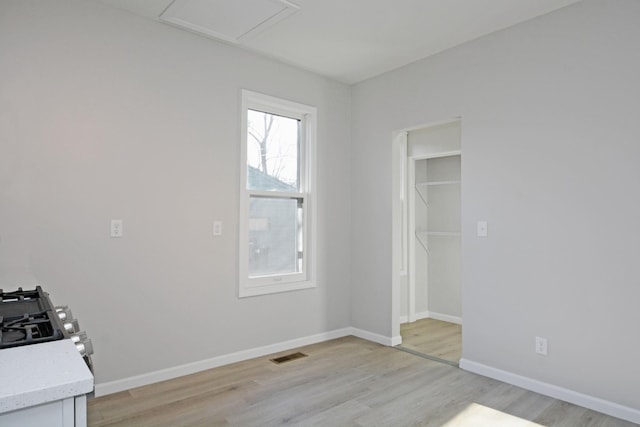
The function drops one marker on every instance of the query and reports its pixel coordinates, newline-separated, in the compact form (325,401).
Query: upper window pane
(273,151)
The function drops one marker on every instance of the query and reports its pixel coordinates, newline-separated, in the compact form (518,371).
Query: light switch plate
(482,229)
(116,228)
(217,228)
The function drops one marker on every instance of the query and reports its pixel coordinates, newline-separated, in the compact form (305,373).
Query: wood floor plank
(343,382)
(516,401)
(434,338)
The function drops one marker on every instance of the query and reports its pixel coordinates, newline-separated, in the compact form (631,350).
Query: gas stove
(29,317)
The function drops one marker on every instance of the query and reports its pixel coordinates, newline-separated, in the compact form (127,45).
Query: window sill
(253,290)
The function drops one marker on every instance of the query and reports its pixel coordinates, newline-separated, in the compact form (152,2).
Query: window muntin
(276,222)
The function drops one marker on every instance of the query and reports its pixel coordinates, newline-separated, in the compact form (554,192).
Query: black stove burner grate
(27,317)
(20,295)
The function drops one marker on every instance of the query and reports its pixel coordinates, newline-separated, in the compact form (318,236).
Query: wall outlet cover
(541,346)
(116,228)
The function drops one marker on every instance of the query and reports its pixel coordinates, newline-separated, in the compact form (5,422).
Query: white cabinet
(69,412)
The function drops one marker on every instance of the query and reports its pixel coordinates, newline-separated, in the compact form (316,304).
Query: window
(276,219)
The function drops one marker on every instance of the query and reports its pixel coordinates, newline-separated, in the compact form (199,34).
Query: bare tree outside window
(273,146)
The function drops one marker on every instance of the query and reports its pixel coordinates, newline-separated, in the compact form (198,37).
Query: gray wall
(106,115)
(550,159)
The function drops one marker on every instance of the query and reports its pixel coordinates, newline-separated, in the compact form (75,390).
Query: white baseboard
(423,315)
(202,365)
(370,336)
(110,387)
(432,315)
(591,402)
(444,317)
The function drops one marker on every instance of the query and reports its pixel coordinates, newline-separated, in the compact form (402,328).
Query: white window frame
(263,285)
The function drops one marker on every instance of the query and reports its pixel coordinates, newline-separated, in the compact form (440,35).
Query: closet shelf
(443,233)
(440,183)
(421,188)
(423,236)
(425,233)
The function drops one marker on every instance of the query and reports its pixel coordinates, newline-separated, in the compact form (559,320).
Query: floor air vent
(288,358)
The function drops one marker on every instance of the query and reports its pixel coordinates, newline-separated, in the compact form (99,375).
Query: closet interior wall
(434,153)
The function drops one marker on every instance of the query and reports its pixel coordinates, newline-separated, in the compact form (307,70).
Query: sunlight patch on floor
(476,415)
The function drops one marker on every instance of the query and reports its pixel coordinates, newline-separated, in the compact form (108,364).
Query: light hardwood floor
(434,338)
(343,382)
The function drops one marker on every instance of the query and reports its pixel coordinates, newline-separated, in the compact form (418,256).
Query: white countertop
(40,373)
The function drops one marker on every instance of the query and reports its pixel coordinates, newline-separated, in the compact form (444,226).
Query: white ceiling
(348,40)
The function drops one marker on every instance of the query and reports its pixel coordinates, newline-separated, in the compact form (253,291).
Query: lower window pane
(275,236)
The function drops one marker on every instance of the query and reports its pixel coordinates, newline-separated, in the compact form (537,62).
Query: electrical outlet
(116,228)
(541,346)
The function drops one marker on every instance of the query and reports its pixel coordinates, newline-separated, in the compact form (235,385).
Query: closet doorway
(432,326)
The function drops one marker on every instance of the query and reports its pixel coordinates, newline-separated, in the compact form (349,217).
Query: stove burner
(12,335)
(19,295)
(27,317)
